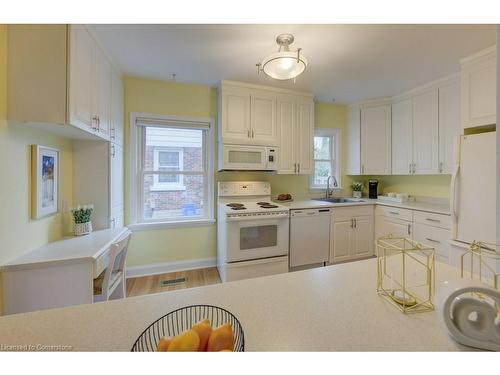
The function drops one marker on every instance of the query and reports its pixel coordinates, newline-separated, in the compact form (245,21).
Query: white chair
(111,283)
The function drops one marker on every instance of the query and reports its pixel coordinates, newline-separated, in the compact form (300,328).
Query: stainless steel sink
(338,200)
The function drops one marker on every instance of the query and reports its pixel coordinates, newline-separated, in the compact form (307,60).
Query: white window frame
(167,186)
(336,163)
(135,179)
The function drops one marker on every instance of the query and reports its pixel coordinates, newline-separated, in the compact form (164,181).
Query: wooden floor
(153,284)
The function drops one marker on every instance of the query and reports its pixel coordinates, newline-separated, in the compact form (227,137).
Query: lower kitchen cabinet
(351,233)
(393,221)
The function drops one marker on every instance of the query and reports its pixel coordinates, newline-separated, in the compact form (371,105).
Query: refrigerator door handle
(453,200)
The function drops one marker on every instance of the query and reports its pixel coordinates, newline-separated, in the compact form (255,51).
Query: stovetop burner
(263,203)
(234,205)
(268,206)
(238,208)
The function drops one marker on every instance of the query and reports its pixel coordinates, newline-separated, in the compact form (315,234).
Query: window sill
(170,224)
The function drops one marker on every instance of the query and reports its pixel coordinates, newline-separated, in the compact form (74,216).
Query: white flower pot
(83,228)
(356,194)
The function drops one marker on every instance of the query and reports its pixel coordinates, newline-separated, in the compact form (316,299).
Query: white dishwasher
(309,237)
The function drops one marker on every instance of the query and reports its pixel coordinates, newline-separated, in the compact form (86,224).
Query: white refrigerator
(473,189)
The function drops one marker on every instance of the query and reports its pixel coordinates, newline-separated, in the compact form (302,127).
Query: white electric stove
(252,231)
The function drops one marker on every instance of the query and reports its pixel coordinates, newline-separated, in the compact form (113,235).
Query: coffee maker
(373,189)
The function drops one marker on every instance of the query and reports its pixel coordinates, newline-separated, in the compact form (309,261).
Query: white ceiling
(346,62)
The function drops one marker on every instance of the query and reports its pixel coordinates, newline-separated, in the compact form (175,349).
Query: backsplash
(418,185)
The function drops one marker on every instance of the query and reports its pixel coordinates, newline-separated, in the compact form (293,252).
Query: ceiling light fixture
(284,64)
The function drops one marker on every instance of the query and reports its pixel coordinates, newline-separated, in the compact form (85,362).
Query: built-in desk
(58,274)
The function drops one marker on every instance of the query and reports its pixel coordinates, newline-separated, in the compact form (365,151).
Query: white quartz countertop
(438,208)
(74,249)
(333,308)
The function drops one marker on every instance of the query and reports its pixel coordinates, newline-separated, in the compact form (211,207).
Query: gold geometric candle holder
(482,263)
(406,273)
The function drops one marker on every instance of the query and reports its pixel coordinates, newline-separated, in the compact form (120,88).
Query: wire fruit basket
(180,320)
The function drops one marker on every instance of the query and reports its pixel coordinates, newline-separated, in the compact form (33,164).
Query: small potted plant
(81,215)
(357,188)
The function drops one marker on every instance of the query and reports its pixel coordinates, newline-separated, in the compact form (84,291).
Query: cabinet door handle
(98,123)
(431,240)
(394,212)
(248,133)
(294,167)
(253,134)
(409,229)
(93,122)
(409,168)
(113,151)
(355,223)
(414,168)
(433,220)
(441,167)
(352,223)
(298,167)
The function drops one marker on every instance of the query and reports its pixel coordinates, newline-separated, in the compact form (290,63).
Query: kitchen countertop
(334,308)
(438,208)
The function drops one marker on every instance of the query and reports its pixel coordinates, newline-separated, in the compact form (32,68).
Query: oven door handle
(263,217)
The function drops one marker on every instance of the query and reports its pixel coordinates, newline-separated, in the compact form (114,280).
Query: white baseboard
(158,268)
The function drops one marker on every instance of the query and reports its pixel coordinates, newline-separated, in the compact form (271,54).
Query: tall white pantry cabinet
(68,86)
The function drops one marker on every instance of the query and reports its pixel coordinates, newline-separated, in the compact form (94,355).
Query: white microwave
(248,158)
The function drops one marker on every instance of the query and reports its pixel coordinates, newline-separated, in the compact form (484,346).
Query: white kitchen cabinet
(478,89)
(341,240)
(449,124)
(353,140)
(351,233)
(64,84)
(81,79)
(263,117)
(305,135)
(393,221)
(363,237)
(117,120)
(376,139)
(89,84)
(101,93)
(235,114)
(295,120)
(402,145)
(286,119)
(248,115)
(434,237)
(425,107)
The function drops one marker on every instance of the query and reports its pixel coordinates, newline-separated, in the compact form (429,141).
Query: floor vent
(173,281)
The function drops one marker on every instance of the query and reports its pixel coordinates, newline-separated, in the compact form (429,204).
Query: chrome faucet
(329,192)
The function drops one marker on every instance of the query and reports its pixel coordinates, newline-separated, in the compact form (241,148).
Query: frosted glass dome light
(284,64)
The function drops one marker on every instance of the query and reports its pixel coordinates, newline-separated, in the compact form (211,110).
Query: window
(171,176)
(168,159)
(326,158)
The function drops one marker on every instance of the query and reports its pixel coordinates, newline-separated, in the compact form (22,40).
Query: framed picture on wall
(44,181)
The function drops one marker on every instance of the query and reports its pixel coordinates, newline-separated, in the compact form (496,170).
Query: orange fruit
(221,338)
(185,342)
(204,330)
(163,344)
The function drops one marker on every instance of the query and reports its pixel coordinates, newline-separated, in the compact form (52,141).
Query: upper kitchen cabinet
(65,80)
(353,140)
(267,116)
(478,89)
(402,145)
(248,115)
(117,111)
(295,120)
(449,123)
(425,122)
(425,132)
(376,138)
